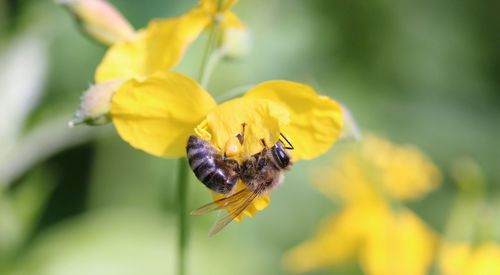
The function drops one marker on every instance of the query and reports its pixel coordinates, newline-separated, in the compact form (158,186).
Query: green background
(420,72)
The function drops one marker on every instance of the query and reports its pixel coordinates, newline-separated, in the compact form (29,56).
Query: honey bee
(214,170)
(260,173)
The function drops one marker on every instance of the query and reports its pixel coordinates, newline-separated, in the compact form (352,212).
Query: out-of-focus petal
(157,48)
(158,114)
(402,170)
(336,242)
(231,20)
(315,121)
(485,260)
(453,257)
(346,180)
(398,243)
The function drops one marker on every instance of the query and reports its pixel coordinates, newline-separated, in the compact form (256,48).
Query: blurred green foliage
(420,72)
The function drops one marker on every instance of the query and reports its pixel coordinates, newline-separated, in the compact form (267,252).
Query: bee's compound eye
(281,156)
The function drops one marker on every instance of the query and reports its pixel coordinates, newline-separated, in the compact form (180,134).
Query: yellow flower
(461,258)
(378,167)
(385,240)
(158,114)
(156,48)
(161,45)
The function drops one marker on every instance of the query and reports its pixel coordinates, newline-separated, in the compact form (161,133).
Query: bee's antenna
(263,142)
(290,147)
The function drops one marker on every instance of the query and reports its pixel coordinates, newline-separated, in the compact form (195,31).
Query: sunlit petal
(157,48)
(158,114)
(315,121)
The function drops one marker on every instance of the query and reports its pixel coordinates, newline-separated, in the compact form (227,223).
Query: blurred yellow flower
(379,168)
(369,180)
(158,114)
(461,258)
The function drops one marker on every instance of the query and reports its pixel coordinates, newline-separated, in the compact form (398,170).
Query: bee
(260,173)
(213,169)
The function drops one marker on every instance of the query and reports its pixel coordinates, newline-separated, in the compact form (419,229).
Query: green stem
(233,93)
(183,167)
(206,54)
(210,57)
(182,191)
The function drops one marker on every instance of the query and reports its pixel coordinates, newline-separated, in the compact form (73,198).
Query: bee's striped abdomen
(212,169)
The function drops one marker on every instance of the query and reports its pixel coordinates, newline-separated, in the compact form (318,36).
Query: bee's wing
(220,203)
(234,209)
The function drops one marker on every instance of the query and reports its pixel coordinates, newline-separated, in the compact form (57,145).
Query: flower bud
(100,20)
(236,42)
(95,104)
(468,176)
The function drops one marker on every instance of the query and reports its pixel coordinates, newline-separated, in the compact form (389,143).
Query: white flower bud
(100,20)
(236,42)
(95,104)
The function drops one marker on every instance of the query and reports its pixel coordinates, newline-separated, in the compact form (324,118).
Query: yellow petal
(158,114)
(375,165)
(403,170)
(157,48)
(485,260)
(453,257)
(263,119)
(336,242)
(231,20)
(315,121)
(347,179)
(124,60)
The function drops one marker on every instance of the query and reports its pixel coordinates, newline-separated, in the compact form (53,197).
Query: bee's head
(281,155)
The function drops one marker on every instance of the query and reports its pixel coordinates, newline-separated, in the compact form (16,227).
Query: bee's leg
(261,157)
(241,136)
